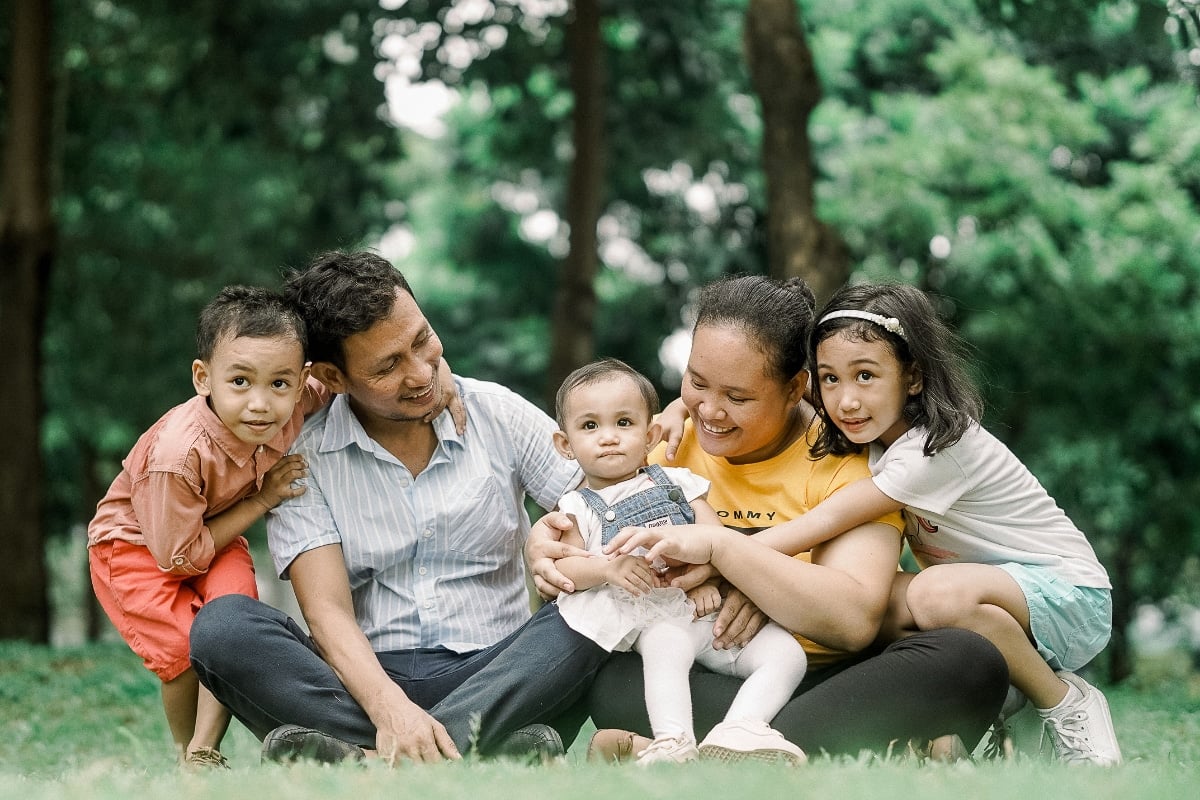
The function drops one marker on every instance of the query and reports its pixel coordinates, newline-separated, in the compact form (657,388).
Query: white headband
(889,324)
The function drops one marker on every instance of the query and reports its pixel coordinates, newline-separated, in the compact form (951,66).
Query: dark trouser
(262,666)
(929,684)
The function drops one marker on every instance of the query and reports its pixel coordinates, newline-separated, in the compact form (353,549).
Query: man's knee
(219,622)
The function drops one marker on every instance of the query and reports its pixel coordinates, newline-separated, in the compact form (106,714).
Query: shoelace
(1070,736)
(206,757)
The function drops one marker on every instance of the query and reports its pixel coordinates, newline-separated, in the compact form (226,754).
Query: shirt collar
(343,429)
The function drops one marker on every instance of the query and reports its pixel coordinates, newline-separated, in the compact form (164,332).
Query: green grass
(86,722)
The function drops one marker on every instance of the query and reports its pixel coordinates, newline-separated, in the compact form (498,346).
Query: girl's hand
(671,421)
(277,483)
(631,573)
(665,541)
(458,412)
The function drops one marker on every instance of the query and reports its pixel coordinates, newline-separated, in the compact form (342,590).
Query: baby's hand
(631,573)
(277,483)
(706,597)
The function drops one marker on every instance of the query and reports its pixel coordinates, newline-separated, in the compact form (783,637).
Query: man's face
(391,369)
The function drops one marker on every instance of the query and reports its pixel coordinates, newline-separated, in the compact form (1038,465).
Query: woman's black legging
(945,681)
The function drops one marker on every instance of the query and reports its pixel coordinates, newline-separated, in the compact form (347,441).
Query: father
(405,553)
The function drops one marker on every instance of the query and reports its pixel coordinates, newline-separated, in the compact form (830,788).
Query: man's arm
(403,729)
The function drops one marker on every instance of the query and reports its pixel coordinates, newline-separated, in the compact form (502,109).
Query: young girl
(998,556)
(605,411)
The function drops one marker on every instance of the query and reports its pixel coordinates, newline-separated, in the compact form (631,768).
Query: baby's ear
(653,436)
(563,446)
(200,378)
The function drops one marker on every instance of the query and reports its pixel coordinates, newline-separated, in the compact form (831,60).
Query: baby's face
(252,384)
(607,428)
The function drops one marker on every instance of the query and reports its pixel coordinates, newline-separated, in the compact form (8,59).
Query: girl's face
(864,388)
(740,410)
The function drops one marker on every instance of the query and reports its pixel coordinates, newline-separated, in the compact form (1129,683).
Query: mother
(746,434)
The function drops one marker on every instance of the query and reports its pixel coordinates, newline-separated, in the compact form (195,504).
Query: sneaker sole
(712,752)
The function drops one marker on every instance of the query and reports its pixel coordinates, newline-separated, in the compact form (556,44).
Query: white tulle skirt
(613,618)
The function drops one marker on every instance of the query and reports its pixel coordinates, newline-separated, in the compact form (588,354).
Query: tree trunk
(1120,652)
(26,245)
(782,72)
(571,335)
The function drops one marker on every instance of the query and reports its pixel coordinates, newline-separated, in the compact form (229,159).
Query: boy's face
(607,430)
(252,384)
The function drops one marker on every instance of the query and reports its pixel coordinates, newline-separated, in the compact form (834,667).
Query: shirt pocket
(482,523)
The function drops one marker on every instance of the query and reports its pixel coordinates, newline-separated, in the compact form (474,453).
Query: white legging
(772,664)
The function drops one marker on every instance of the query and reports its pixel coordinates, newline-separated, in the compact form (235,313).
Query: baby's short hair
(597,371)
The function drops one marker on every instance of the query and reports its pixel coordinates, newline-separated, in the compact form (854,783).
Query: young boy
(605,412)
(167,538)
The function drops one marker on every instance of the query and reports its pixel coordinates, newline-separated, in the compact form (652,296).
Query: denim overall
(660,504)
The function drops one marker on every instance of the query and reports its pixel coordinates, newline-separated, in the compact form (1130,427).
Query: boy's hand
(631,573)
(277,483)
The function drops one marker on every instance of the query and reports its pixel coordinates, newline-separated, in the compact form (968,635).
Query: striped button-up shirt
(436,559)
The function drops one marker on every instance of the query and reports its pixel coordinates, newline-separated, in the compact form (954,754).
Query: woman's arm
(838,600)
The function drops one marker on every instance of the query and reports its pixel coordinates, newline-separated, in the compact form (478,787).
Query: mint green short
(1071,624)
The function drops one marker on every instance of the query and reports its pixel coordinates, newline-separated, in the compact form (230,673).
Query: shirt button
(428,533)
(179,561)
(429,604)
(422,571)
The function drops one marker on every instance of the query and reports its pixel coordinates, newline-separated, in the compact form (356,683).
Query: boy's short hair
(247,311)
(594,373)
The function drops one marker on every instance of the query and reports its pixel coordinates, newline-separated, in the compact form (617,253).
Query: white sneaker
(669,750)
(1082,731)
(748,739)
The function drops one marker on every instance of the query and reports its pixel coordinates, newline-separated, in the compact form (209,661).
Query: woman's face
(741,411)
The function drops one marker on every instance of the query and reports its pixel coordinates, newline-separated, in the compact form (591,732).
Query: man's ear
(327,373)
(563,446)
(200,378)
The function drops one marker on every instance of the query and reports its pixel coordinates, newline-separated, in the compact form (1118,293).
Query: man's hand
(544,547)
(410,733)
(738,621)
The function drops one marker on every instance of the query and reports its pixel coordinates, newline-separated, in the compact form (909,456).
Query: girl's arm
(854,504)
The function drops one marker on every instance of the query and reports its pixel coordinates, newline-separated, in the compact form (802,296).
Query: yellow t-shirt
(752,497)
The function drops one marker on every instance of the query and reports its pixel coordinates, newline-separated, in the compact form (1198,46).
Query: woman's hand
(738,621)
(458,412)
(671,422)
